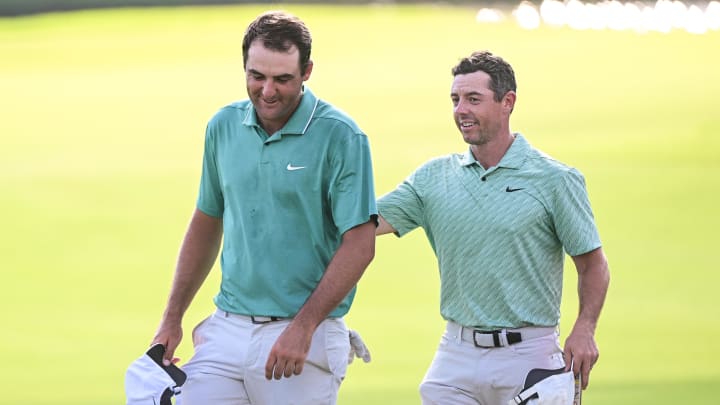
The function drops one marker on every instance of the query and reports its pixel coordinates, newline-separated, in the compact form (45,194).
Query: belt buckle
(495,335)
(261,320)
(513,337)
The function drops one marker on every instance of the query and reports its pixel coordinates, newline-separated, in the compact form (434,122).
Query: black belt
(255,319)
(481,341)
(498,337)
(259,320)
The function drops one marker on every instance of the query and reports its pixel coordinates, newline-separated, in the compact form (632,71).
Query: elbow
(601,274)
(607,274)
(604,269)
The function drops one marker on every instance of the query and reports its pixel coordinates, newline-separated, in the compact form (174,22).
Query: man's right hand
(169,334)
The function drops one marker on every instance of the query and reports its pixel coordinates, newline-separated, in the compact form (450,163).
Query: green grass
(101,136)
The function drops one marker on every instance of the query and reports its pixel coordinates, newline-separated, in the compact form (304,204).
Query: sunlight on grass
(102,134)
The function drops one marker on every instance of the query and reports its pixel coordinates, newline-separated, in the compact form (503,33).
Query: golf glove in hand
(357,348)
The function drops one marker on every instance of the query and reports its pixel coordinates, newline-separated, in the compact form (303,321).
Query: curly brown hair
(279,31)
(502,76)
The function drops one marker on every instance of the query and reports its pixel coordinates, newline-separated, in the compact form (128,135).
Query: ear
(508,101)
(308,70)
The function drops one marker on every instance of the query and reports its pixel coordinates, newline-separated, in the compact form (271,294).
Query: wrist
(586,326)
(172,317)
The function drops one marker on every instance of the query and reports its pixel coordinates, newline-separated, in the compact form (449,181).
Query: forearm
(384,227)
(197,255)
(580,350)
(593,282)
(343,272)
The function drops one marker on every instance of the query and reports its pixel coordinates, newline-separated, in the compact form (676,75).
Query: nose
(268,89)
(459,108)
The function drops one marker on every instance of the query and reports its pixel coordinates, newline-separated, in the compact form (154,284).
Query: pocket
(557,359)
(446,338)
(337,346)
(198,334)
(546,345)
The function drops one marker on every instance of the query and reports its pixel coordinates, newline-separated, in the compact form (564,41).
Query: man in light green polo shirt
(287,185)
(500,218)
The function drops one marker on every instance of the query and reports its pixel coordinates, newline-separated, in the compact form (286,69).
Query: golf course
(102,120)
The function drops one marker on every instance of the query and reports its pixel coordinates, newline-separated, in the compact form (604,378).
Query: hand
(288,354)
(169,334)
(357,348)
(580,347)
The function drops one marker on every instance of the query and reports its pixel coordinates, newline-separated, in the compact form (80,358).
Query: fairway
(102,118)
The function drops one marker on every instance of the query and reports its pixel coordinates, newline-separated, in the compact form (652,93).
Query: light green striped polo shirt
(285,200)
(499,235)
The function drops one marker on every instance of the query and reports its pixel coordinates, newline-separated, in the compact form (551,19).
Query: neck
(490,153)
(270,128)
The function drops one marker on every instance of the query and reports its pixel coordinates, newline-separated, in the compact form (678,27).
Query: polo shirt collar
(516,154)
(298,122)
(513,158)
(467,159)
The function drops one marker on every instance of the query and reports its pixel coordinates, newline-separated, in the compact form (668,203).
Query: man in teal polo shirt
(500,218)
(287,186)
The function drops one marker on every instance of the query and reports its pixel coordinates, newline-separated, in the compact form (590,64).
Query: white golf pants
(463,374)
(228,367)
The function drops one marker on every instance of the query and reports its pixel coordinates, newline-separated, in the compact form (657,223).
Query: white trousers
(463,374)
(228,367)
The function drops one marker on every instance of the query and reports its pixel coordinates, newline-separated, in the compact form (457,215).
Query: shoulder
(229,113)
(327,116)
(437,167)
(549,167)
(442,162)
(552,178)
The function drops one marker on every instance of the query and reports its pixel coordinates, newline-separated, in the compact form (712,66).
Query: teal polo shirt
(499,234)
(285,200)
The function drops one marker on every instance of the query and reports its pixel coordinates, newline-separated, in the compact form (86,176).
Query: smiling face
(477,115)
(274,83)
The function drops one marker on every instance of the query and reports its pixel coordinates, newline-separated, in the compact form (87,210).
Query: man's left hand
(288,354)
(580,347)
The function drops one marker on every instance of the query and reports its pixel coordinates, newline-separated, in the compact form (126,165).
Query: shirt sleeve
(573,216)
(403,207)
(352,189)
(210,197)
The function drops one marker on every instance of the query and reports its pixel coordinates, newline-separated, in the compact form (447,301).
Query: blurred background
(103,106)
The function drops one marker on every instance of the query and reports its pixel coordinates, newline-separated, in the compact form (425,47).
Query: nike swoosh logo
(510,190)
(291,167)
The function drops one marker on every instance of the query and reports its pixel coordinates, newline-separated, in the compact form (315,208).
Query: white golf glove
(357,348)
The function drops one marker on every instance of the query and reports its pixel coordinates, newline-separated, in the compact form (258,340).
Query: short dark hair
(279,31)
(502,76)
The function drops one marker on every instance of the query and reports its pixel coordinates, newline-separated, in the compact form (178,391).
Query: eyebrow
(284,76)
(472,93)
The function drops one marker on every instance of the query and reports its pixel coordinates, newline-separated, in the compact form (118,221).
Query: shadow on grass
(695,392)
